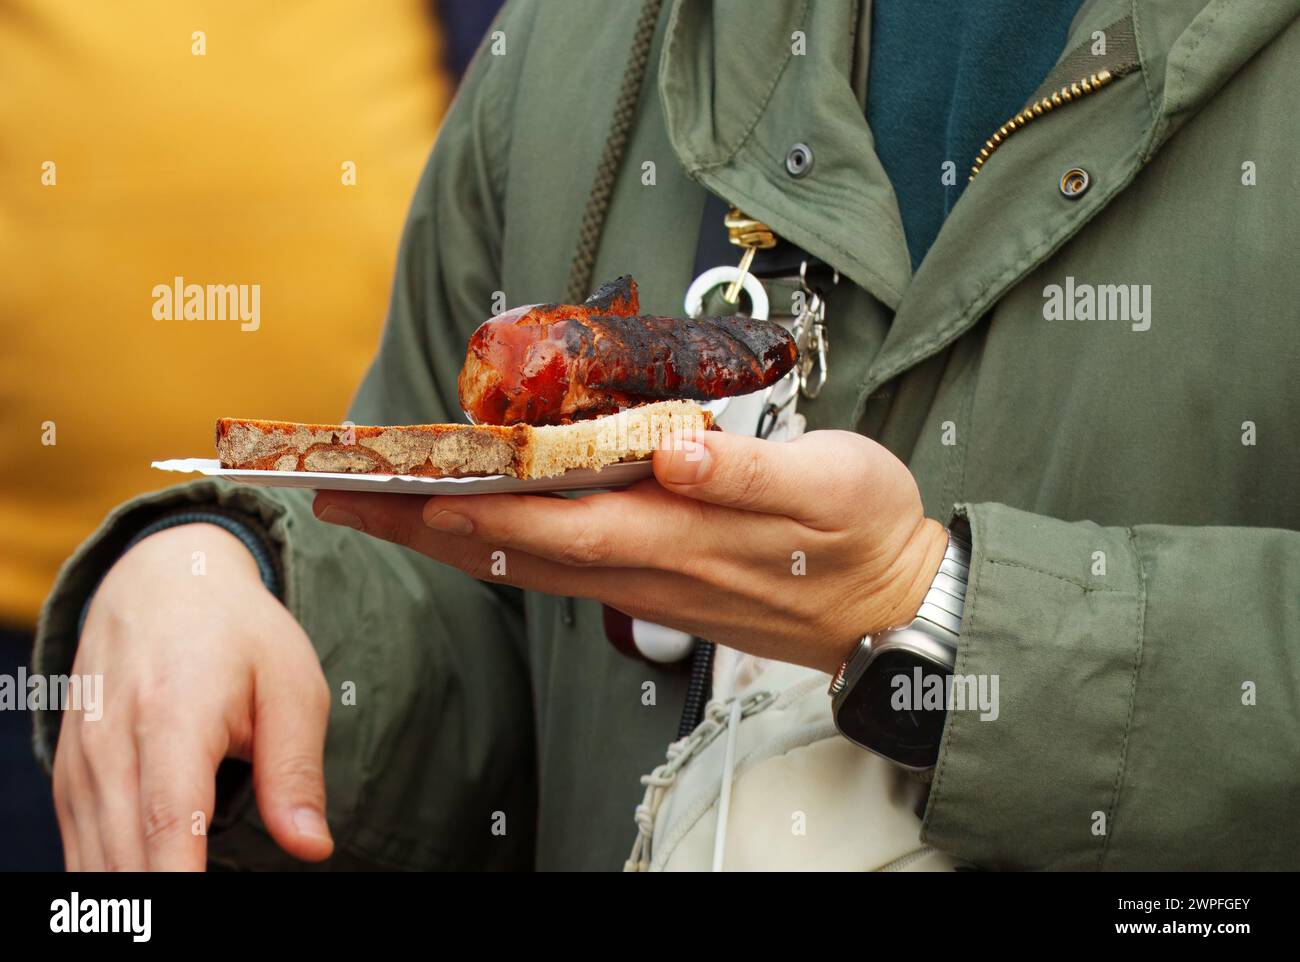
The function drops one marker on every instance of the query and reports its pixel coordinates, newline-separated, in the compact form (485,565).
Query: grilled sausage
(548,364)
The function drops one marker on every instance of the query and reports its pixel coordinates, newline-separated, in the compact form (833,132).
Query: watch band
(946,600)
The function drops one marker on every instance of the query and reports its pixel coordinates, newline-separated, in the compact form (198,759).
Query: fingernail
(333,514)
(310,822)
(688,464)
(450,522)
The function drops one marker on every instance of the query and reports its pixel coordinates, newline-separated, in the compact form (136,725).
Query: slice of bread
(456,450)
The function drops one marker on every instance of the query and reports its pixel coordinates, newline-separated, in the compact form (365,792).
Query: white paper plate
(614,476)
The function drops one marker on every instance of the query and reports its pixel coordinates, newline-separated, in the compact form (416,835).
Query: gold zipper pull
(750,234)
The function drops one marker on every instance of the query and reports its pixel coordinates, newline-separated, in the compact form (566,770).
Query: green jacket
(1132,493)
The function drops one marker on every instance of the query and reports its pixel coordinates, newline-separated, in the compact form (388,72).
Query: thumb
(291,713)
(771,477)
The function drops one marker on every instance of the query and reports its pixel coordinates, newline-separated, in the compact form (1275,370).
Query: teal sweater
(945,74)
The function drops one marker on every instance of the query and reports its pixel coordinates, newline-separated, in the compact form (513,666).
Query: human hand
(195,669)
(787,550)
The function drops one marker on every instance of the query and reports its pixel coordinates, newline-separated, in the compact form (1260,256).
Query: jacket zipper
(1067,94)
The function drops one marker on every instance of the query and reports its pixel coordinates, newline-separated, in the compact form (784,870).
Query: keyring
(759,305)
(737,413)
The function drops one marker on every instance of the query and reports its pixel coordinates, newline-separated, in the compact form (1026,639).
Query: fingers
(772,477)
(107,792)
(136,792)
(67,827)
(115,786)
(90,853)
(642,592)
(128,801)
(634,528)
(64,794)
(400,519)
(147,803)
(176,797)
(643,526)
(94,790)
(291,712)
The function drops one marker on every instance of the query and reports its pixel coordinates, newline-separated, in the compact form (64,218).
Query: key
(753,236)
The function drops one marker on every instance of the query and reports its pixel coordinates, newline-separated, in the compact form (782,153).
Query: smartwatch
(889,696)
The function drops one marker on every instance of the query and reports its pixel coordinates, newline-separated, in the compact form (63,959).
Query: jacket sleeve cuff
(59,624)
(1053,619)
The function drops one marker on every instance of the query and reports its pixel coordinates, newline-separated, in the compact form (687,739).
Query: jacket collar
(737,95)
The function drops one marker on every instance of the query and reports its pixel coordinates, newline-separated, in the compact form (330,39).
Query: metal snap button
(799,160)
(1075,183)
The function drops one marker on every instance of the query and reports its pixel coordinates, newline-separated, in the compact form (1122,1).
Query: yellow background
(223,168)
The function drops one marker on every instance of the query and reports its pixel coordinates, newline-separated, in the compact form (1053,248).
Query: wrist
(917,565)
(171,559)
(895,598)
(200,543)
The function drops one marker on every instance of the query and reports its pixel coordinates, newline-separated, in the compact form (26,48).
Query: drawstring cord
(724,793)
(602,187)
(611,158)
(717,719)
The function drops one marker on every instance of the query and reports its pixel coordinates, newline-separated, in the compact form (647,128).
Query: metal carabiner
(811,337)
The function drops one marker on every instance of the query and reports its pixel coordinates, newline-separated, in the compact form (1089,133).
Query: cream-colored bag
(801,796)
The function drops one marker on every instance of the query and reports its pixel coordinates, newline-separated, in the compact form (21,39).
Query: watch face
(897,708)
